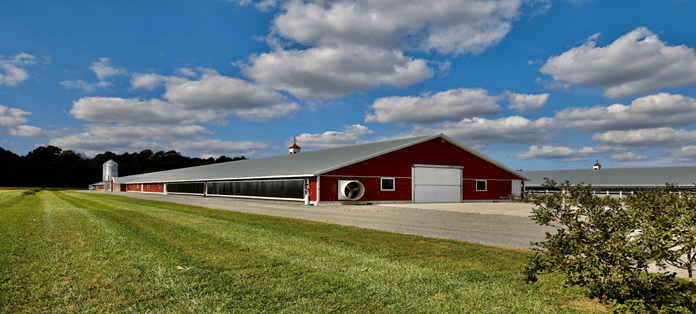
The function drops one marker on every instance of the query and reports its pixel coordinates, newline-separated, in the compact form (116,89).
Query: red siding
(495,189)
(153,188)
(398,165)
(133,187)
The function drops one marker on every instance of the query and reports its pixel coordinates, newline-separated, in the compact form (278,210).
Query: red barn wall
(398,165)
(153,188)
(133,187)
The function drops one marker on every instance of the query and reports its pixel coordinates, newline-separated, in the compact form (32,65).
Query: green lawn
(65,251)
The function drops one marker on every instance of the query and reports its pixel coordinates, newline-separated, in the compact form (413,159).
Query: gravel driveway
(497,224)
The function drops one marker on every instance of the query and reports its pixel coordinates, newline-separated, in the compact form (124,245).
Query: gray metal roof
(652,176)
(300,165)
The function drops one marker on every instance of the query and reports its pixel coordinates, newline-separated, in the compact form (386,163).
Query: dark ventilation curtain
(266,188)
(191,188)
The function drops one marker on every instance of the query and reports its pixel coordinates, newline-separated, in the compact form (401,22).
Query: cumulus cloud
(186,72)
(446,26)
(526,103)
(214,91)
(627,156)
(80,84)
(151,81)
(652,111)
(219,93)
(92,144)
(27,131)
(155,132)
(657,137)
(330,72)
(12,117)
(350,135)
(453,104)
(684,154)
(10,71)
(636,63)
(514,129)
(102,69)
(215,148)
(136,111)
(561,153)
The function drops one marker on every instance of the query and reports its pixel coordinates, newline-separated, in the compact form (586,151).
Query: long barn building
(431,168)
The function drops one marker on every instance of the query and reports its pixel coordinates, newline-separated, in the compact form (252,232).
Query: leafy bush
(606,245)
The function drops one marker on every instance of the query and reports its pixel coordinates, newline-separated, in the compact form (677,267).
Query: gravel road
(469,222)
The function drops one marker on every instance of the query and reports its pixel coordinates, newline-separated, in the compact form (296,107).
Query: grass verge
(64,251)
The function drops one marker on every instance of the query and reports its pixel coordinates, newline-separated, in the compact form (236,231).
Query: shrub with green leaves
(607,244)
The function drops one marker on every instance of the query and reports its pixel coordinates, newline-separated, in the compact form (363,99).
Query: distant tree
(51,166)
(223,158)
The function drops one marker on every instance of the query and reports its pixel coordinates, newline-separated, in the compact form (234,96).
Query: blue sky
(534,84)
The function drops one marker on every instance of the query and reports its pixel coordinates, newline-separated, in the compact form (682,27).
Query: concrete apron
(493,208)
(509,209)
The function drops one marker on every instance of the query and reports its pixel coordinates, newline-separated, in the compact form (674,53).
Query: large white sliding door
(436,184)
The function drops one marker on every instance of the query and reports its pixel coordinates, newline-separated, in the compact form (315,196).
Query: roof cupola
(294,149)
(597,166)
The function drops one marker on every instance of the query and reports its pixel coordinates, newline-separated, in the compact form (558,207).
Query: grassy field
(65,251)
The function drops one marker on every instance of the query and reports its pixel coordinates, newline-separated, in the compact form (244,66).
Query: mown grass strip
(24,269)
(110,253)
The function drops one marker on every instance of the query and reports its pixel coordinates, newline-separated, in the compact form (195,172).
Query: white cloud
(92,145)
(526,103)
(80,84)
(330,72)
(155,132)
(627,156)
(267,112)
(350,135)
(136,111)
(514,129)
(102,68)
(12,117)
(454,104)
(151,81)
(211,147)
(214,91)
(27,131)
(684,154)
(13,74)
(447,26)
(223,94)
(658,137)
(186,72)
(652,111)
(562,153)
(636,63)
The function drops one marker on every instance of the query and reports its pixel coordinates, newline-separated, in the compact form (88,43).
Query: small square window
(481,185)
(388,184)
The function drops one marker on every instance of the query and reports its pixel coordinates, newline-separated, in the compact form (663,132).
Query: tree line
(51,166)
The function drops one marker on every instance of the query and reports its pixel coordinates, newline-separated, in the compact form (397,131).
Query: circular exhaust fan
(350,190)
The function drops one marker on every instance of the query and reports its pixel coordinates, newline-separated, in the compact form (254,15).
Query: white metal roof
(300,165)
(649,176)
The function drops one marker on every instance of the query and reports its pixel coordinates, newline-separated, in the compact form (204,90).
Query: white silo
(110,170)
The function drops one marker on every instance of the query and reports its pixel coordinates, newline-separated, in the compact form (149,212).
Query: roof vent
(294,149)
(597,166)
